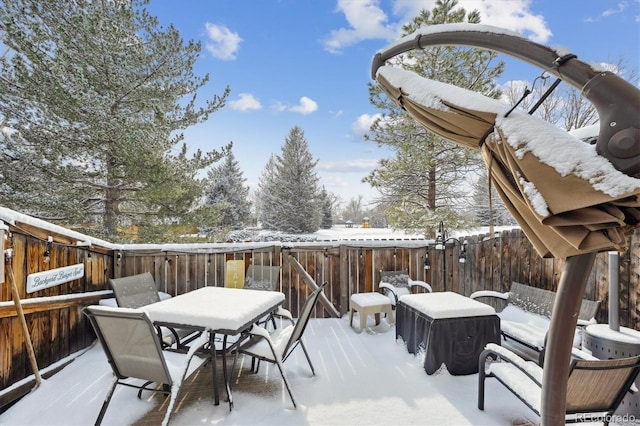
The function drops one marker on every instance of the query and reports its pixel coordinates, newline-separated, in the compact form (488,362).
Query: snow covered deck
(366,378)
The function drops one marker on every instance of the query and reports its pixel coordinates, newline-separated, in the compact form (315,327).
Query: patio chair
(595,388)
(136,291)
(394,284)
(277,346)
(260,277)
(136,357)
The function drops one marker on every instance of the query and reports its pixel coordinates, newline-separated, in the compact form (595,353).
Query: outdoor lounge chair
(133,350)
(136,291)
(397,283)
(277,346)
(595,388)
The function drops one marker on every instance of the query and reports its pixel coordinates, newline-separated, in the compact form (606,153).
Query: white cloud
(621,7)
(222,43)
(245,102)
(368,21)
(350,166)
(279,106)
(514,15)
(361,126)
(305,107)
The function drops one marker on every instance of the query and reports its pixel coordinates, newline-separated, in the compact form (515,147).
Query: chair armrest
(389,290)
(422,284)
(532,370)
(388,287)
(283,313)
(490,293)
(259,331)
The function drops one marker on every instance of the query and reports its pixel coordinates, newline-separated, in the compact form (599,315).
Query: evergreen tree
(266,197)
(289,192)
(327,212)
(97,96)
(226,190)
(488,210)
(424,183)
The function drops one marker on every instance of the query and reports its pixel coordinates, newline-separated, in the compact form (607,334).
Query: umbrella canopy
(567,198)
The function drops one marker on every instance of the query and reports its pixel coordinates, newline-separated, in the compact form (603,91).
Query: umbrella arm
(615,99)
(564,318)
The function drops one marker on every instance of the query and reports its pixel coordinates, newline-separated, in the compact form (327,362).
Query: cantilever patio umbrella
(570,198)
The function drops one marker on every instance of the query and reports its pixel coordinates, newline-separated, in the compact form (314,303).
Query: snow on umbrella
(568,198)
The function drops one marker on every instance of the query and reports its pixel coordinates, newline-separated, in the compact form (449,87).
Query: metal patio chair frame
(595,388)
(136,291)
(133,350)
(277,346)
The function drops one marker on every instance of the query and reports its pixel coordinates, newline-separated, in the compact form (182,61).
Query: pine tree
(226,190)
(97,96)
(289,190)
(488,210)
(327,210)
(266,197)
(424,184)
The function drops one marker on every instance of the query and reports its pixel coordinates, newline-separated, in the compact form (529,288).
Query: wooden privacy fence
(58,328)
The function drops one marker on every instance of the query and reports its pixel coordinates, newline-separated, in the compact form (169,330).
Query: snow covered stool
(370,303)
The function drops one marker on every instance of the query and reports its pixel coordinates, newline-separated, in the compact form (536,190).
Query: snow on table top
(446,305)
(215,308)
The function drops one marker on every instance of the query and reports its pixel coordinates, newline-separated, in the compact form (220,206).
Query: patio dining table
(220,311)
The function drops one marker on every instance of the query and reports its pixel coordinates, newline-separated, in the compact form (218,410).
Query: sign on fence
(54,277)
(235,274)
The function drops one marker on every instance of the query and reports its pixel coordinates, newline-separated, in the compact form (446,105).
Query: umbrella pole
(564,319)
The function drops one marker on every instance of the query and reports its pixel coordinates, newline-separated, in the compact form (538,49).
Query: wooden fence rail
(58,328)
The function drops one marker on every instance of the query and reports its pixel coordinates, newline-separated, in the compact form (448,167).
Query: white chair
(135,354)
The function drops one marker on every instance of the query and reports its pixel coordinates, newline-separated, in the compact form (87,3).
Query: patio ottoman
(367,304)
(452,329)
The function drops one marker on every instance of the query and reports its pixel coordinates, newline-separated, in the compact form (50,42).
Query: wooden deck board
(200,388)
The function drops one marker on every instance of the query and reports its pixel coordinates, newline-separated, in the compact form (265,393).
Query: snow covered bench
(526,317)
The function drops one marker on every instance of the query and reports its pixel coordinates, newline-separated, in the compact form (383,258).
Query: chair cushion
(253,284)
(396,279)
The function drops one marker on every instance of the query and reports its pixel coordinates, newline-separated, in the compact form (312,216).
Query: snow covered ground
(365,378)
(361,378)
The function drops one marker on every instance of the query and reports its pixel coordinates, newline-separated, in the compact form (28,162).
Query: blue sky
(307,63)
